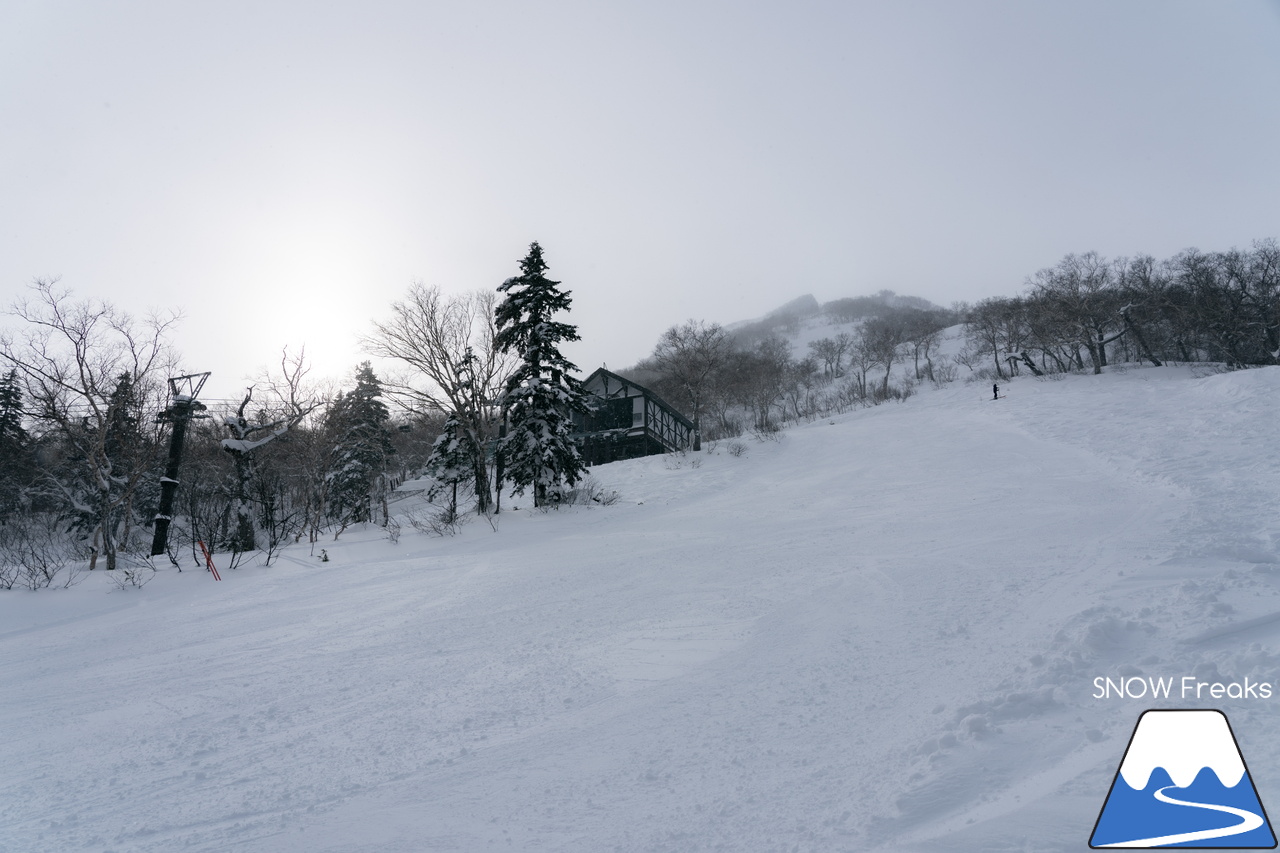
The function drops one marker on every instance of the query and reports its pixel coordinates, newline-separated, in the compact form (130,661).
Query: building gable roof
(605,373)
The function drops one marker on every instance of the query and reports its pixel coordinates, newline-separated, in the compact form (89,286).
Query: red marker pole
(209,560)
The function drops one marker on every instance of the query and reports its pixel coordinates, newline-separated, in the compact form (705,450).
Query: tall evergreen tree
(362,444)
(540,394)
(15,450)
(132,451)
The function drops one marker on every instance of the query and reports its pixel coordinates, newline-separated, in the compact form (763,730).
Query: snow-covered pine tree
(540,394)
(12,433)
(458,453)
(450,462)
(14,444)
(361,447)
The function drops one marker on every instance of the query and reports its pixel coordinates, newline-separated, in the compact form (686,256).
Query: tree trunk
(697,426)
(480,471)
(244,538)
(1092,346)
(108,523)
(1026,359)
(1141,341)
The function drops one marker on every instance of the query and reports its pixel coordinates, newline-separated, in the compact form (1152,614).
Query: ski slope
(880,632)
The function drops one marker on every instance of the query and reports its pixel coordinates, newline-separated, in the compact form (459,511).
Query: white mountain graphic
(1183,743)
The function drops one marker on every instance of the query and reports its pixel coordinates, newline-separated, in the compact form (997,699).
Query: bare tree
(690,356)
(1142,283)
(996,329)
(922,331)
(448,341)
(1081,290)
(91,374)
(884,336)
(292,403)
(1232,301)
(862,358)
(759,377)
(831,352)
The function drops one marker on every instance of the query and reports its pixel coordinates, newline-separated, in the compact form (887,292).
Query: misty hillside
(880,631)
(806,311)
(822,351)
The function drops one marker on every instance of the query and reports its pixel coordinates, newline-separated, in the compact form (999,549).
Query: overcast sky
(282,171)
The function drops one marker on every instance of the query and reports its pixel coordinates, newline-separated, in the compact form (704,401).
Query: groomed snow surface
(877,633)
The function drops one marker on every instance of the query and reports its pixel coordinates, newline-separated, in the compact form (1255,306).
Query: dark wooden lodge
(627,420)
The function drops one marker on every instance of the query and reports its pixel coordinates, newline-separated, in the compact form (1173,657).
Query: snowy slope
(878,633)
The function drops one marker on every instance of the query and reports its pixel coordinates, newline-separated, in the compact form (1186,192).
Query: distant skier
(995,391)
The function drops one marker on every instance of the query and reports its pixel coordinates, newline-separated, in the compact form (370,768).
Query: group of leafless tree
(1080,315)
(454,372)
(85,375)
(292,461)
(1087,312)
(84,402)
(729,383)
(83,386)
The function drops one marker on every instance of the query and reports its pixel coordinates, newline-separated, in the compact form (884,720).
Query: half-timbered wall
(628,420)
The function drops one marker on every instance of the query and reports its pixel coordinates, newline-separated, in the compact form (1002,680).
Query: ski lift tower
(183,391)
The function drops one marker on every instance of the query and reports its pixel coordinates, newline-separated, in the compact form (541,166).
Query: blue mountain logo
(1183,783)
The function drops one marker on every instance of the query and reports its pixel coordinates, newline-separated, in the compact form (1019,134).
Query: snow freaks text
(1186,687)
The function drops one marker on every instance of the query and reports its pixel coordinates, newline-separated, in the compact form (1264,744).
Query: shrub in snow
(588,493)
(677,459)
(944,373)
(435,521)
(767,431)
(135,573)
(34,551)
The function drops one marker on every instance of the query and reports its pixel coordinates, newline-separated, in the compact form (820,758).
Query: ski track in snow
(878,633)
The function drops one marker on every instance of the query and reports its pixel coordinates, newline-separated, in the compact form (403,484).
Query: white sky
(282,171)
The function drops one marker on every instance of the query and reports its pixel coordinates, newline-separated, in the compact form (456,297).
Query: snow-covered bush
(34,551)
(8,573)
(589,492)
(677,459)
(944,373)
(767,431)
(132,573)
(435,521)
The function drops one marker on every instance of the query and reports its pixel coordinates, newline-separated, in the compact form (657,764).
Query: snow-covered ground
(880,632)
